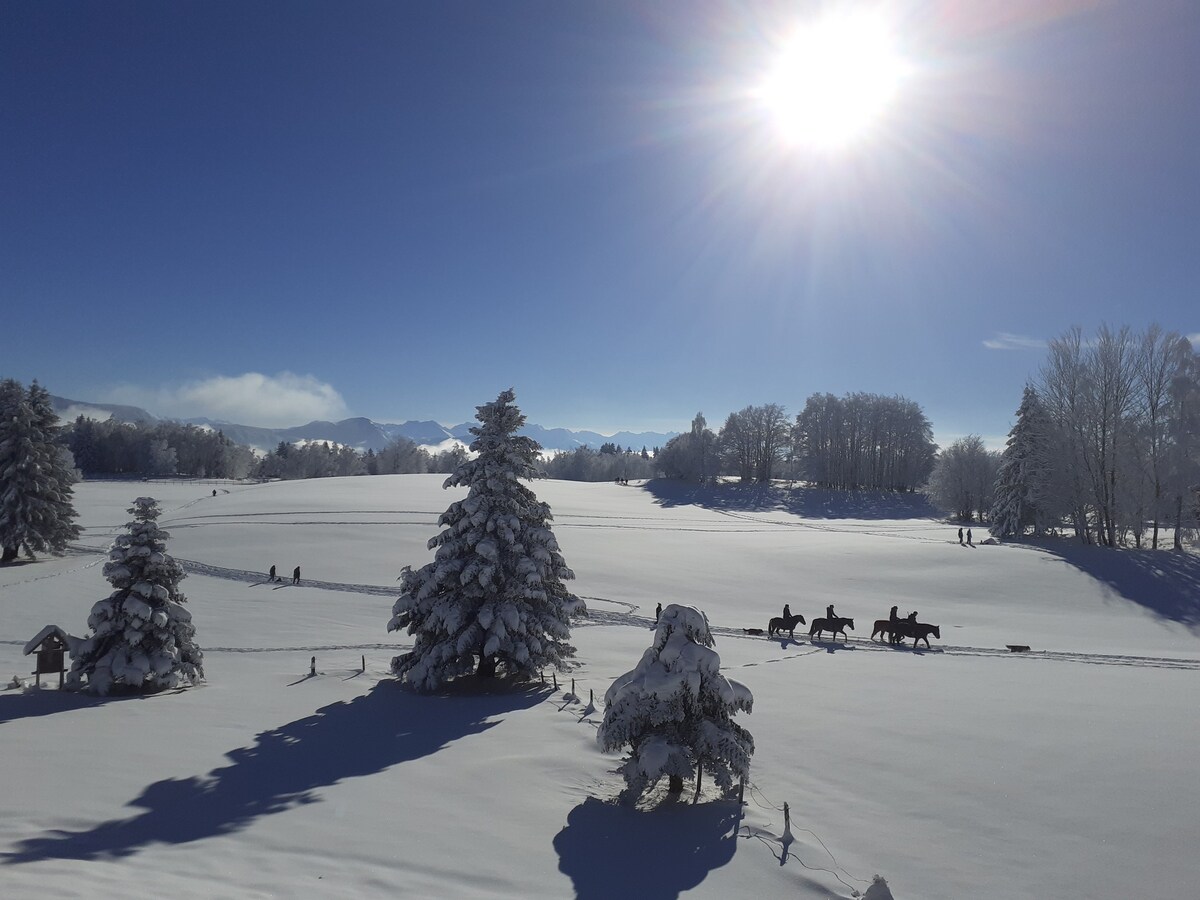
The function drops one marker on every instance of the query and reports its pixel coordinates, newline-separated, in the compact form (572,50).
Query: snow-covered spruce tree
(35,480)
(142,638)
(1023,495)
(675,710)
(494,593)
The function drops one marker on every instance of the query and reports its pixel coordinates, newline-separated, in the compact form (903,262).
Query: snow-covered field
(963,772)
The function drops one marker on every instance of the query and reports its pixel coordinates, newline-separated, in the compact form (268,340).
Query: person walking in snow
(968,535)
(960,536)
(296,575)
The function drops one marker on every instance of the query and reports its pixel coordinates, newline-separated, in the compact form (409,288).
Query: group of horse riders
(787,612)
(896,628)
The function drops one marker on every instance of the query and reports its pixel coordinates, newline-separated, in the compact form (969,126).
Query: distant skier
(296,575)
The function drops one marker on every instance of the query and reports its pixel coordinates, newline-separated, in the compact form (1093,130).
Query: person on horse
(893,616)
(787,612)
(912,617)
(829,613)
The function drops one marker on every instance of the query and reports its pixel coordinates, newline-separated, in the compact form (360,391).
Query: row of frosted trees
(851,442)
(162,448)
(494,600)
(1108,441)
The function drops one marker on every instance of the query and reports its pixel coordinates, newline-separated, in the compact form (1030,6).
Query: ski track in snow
(628,618)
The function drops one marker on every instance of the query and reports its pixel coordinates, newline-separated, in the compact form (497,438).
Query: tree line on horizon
(1106,444)
(856,442)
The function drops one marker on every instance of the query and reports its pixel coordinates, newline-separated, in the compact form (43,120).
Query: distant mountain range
(363,434)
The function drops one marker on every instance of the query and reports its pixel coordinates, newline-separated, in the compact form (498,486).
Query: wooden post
(555,677)
(787,825)
(573,688)
(591,697)
(312,667)
(742,791)
(699,776)
(364,662)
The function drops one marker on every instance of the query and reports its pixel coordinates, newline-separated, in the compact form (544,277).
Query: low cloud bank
(271,401)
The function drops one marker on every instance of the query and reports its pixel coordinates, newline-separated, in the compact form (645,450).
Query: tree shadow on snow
(611,850)
(807,502)
(286,767)
(1163,581)
(29,704)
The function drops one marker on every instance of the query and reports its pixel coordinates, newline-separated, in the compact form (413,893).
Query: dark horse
(780,625)
(833,626)
(918,631)
(883,627)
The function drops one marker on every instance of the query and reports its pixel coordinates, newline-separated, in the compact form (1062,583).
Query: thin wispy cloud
(273,401)
(1003,340)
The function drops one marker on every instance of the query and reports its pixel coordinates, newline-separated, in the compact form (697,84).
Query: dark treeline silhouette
(609,463)
(164,448)
(321,459)
(860,441)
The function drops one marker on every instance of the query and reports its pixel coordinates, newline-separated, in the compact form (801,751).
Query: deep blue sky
(399,209)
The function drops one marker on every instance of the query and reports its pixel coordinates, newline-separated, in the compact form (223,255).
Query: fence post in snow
(364,662)
(555,677)
(312,667)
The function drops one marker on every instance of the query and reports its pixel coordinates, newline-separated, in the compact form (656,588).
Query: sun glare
(832,80)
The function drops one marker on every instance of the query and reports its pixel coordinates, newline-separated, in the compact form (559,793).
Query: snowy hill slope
(964,771)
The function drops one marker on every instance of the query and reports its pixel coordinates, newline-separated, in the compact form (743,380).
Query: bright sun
(832,80)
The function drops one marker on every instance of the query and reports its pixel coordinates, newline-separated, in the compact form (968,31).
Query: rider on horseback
(787,611)
(829,613)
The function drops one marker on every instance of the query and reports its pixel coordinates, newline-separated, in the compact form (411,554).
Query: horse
(883,627)
(779,625)
(833,626)
(918,631)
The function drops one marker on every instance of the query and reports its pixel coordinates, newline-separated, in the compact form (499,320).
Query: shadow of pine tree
(610,850)
(389,724)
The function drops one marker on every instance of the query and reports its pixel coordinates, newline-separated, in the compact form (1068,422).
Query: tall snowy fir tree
(1023,496)
(493,595)
(675,710)
(35,480)
(142,638)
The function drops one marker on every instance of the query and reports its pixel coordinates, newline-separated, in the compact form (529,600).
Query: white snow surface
(963,772)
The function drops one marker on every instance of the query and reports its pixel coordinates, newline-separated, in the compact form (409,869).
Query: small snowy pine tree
(675,710)
(35,480)
(142,637)
(494,593)
(1022,497)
